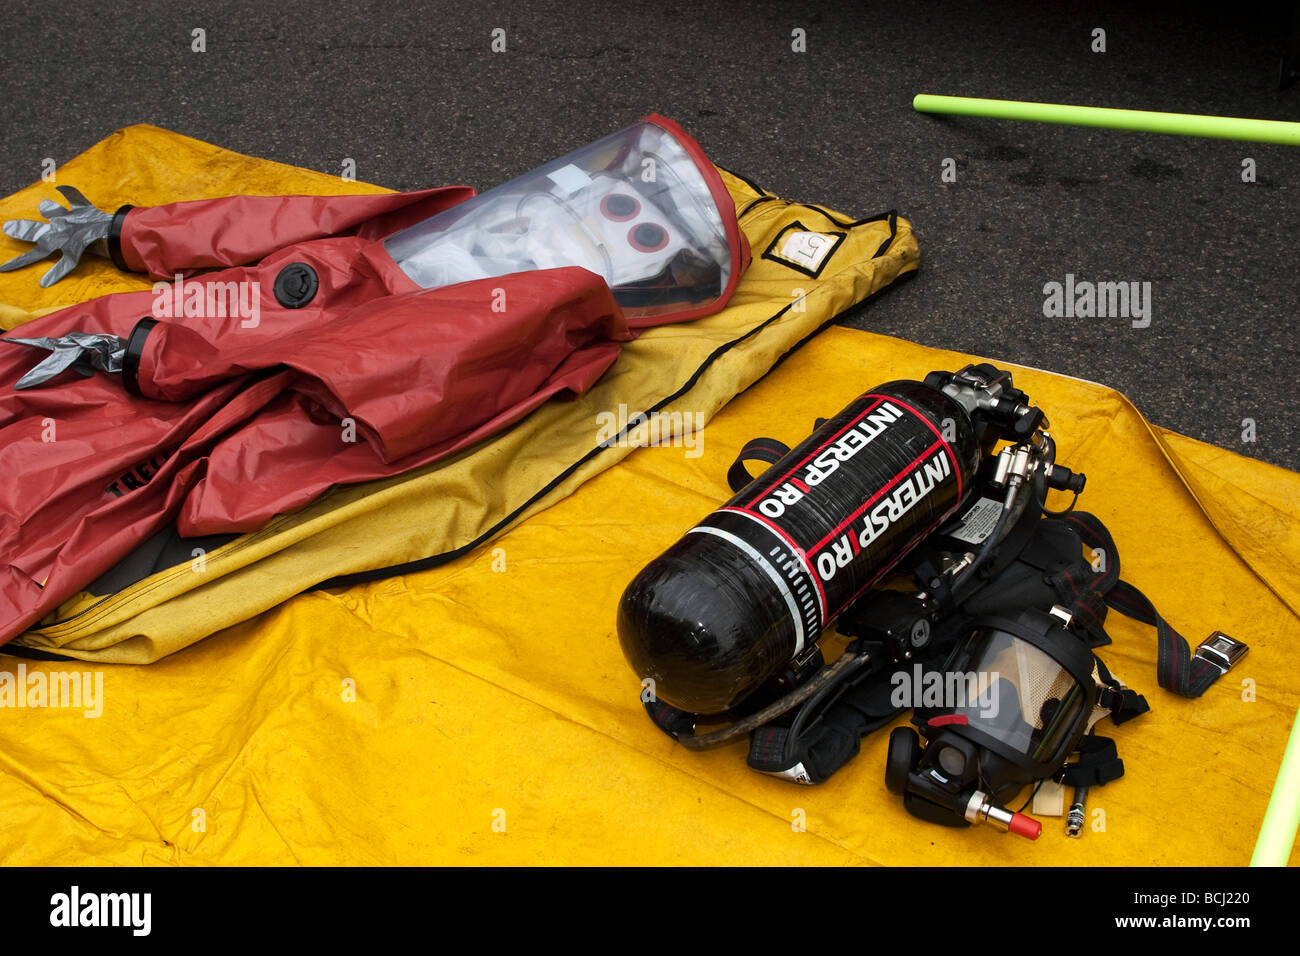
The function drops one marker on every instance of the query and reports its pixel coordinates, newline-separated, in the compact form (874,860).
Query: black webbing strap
(815,756)
(1098,763)
(1122,702)
(669,719)
(1081,588)
(829,735)
(1176,668)
(766,450)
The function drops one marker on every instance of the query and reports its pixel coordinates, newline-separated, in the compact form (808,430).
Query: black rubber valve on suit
(296,285)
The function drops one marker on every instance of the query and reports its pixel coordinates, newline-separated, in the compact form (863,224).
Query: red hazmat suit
(249,391)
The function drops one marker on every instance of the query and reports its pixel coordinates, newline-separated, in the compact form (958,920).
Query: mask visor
(1017,694)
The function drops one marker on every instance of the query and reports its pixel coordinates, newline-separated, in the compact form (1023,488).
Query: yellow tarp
(482,712)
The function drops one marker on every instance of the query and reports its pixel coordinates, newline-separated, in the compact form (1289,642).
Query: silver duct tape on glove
(83,352)
(69,231)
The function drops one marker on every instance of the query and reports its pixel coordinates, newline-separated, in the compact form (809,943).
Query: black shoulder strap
(1176,667)
(1098,763)
(824,735)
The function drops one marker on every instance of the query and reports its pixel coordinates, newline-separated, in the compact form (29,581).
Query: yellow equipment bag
(480,711)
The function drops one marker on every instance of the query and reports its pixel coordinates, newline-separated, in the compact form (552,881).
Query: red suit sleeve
(212,233)
(411,370)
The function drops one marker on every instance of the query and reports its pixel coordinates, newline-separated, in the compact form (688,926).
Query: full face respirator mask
(1021,695)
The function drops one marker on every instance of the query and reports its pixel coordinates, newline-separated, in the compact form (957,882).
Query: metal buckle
(1221,650)
(1062,614)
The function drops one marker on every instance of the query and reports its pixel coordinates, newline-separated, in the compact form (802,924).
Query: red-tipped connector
(981,809)
(1024,826)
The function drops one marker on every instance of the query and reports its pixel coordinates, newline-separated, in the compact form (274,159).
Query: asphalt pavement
(416,96)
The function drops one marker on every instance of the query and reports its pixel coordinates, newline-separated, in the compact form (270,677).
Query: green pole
(1282,818)
(1180,124)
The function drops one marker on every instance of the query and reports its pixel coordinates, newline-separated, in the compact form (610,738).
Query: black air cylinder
(757,581)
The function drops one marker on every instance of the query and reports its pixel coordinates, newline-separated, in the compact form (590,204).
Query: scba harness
(1031,607)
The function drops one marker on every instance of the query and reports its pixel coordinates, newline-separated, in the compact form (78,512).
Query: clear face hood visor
(642,208)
